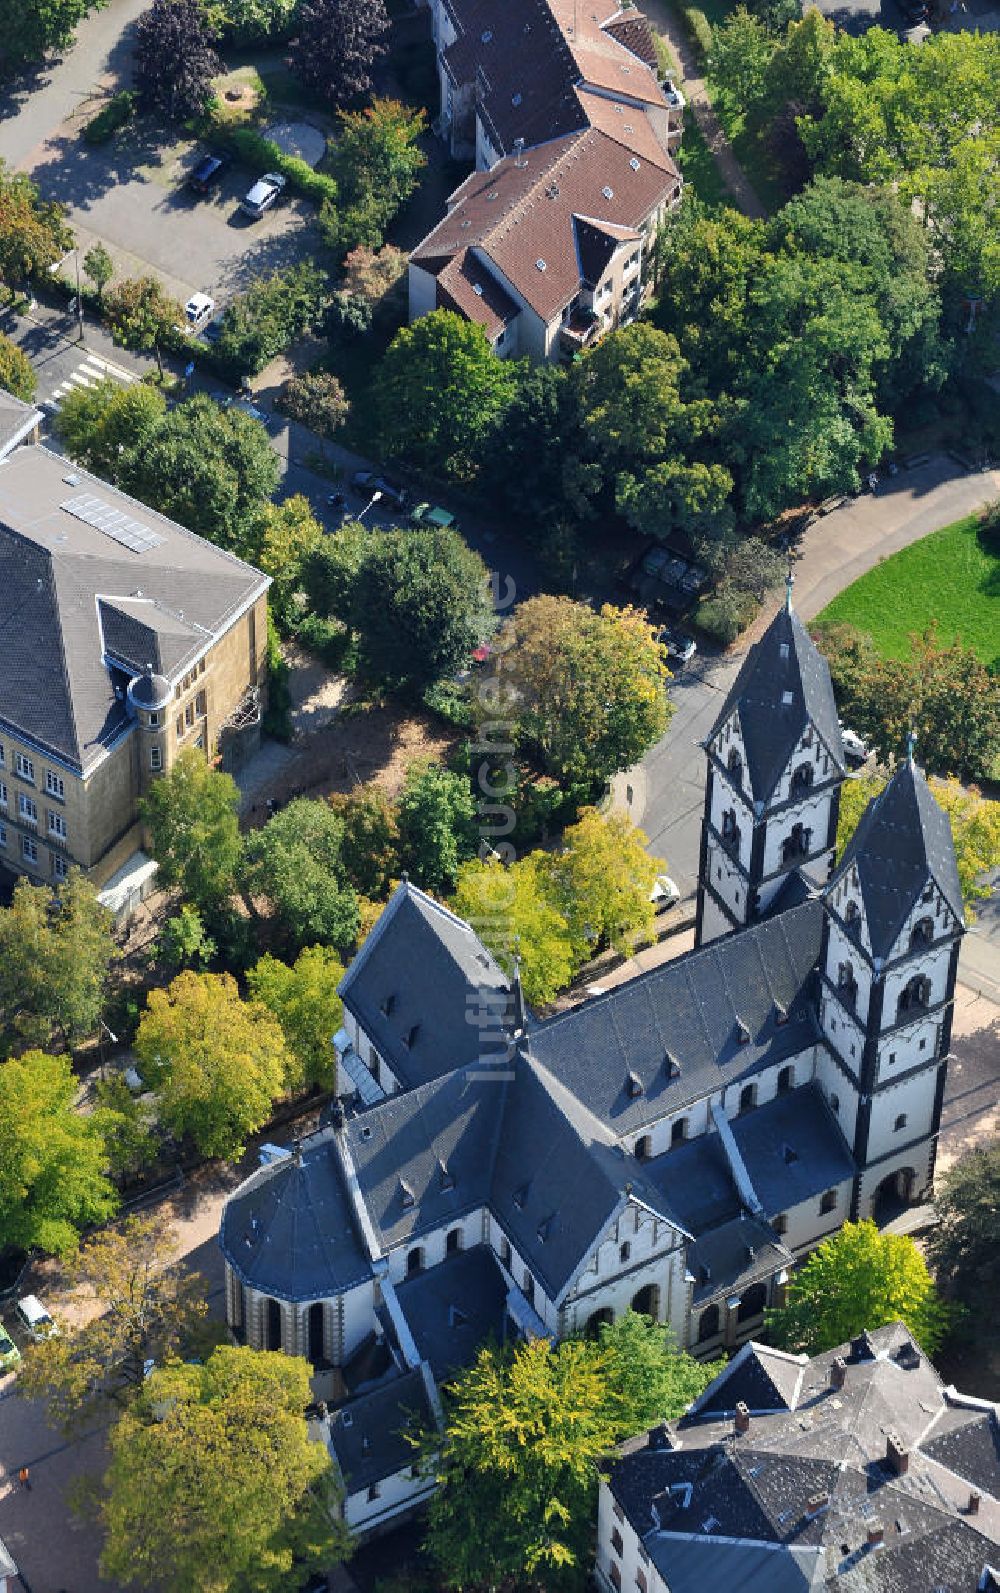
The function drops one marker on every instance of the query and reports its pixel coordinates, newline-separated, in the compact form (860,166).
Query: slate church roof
(810,1488)
(902,842)
(783,687)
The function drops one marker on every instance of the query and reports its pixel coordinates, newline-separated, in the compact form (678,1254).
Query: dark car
(207,172)
(368,482)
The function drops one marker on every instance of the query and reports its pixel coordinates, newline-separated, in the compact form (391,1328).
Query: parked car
(664,893)
(368,482)
(208,171)
(679,647)
(10,1355)
(213,331)
(855,747)
(429,514)
(247,408)
(263,195)
(198,313)
(33,1316)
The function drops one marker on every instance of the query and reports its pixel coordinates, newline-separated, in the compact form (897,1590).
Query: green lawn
(949,577)
(698,166)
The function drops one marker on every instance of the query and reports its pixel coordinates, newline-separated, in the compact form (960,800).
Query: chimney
(972,1508)
(838,1372)
(897,1457)
(518,152)
(742,1417)
(875,1536)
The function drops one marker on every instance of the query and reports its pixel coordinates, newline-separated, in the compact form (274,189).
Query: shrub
(316,399)
(989,525)
(119,110)
(277,721)
(262,322)
(349,317)
(728,612)
(699,30)
(261,155)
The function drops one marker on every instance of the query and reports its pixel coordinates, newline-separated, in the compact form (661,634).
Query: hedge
(699,30)
(263,155)
(119,110)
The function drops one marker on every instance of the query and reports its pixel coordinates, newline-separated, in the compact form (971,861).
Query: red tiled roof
(626,124)
(465,285)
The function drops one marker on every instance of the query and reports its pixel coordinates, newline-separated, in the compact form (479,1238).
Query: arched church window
(916,993)
(797,844)
(922,933)
(708,1324)
(847,985)
(802,778)
(734,763)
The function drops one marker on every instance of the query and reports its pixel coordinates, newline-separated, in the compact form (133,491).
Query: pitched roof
(903,840)
(793,1148)
(368,1434)
(813,1476)
(71,593)
(426,990)
(782,688)
(465,285)
(453,1309)
(761,1377)
(288,1231)
(17,419)
(675,1027)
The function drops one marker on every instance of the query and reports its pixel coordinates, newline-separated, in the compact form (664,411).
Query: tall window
(847,985)
(678,1132)
(27,808)
(29,849)
(155,759)
(734,763)
(797,844)
(60,867)
(24,767)
(708,1324)
(57,826)
(922,933)
(802,778)
(3,793)
(786,1080)
(916,994)
(54,784)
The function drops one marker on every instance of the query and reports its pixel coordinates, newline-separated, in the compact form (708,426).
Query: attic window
(787,698)
(780,1014)
(515,99)
(627,70)
(494,193)
(387,1006)
(477,289)
(406,1194)
(634,163)
(672,1065)
(366,1132)
(627,127)
(486,35)
(633,1085)
(545,1228)
(411,1036)
(790,1155)
(742,1033)
(783,650)
(540,265)
(519,1196)
(445,1180)
(346,1419)
(608,193)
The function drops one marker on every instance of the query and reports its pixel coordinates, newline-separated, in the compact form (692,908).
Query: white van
(33,1316)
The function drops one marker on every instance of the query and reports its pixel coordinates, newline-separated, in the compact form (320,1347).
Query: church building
(676,1145)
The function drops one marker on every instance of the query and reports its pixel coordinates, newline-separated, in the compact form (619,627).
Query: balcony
(582,328)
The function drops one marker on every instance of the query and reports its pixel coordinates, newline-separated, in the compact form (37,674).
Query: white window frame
(29,848)
(60,867)
(57,825)
(27,808)
(25,767)
(155,760)
(55,785)
(3,835)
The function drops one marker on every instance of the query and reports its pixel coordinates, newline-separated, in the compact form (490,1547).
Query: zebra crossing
(88,373)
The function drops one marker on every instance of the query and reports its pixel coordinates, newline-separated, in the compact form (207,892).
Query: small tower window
(748,1098)
(829,1202)
(797,844)
(915,994)
(624,1252)
(786,1080)
(852,918)
(735,765)
(847,985)
(922,933)
(900,1122)
(678,1132)
(834,1103)
(802,778)
(643,1148)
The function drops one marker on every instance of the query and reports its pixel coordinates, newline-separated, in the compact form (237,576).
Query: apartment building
(125,639)
(547,244)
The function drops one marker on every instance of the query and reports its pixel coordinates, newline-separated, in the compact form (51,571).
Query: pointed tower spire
(517,993)
(911,742)
(789,583)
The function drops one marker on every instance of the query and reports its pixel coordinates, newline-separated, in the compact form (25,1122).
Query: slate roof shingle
(368,1434)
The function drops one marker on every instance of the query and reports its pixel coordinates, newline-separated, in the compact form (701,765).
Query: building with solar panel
(126,638)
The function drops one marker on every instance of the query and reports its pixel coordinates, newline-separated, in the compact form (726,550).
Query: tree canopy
(438,391)
(53,1159)
(218,1063)
(192,816)
(135,1305)
(376,163)
(602,878)
(525,1433)
(96,425)
(33,231)
(31,28)
(860,1278)
(214,1484)
(17,374)
(512,911)
(963,1244)
(974,820)
(588,690)
(140,312)
(437,824)
(305,1002)
(336,44)
(294,862)
(56,947)
(176,58)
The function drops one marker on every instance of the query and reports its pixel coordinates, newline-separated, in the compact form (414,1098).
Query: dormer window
(802,778)
(633,1086)
(410,1037)
(387,1006)
(406,1195)
(520,1196)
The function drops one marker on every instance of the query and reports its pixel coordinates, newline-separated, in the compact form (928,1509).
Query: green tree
(31,28)
(589,690)
(260,323)
(742,50)
(175,59)
(336,45)
(521,456)
(218,1063)
(316,399)
(438,391)
(377,160)
(289,534)
(211,468)
(524,1436)
(191,814)
(140,313)
(53,1162)
(962,1246)
(859,1279)
(601,880)
(99,267)
(370,847)
(649,1379)
(98,424)
(17,374)
(185,940)
(974,820)
(127,1123)
(420,603)
(261,1514)
(294,862)
(512,911)
(437,824)
(33,231)
(56,947)
(330,571)
(305,1002)
(131,1305)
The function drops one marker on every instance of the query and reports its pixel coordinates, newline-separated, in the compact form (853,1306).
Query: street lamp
(102,1030)
(375,497)
(54,271)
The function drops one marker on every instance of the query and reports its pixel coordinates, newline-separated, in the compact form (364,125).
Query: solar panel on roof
(121,528)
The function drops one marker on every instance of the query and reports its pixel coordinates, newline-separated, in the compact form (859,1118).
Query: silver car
(263,194)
